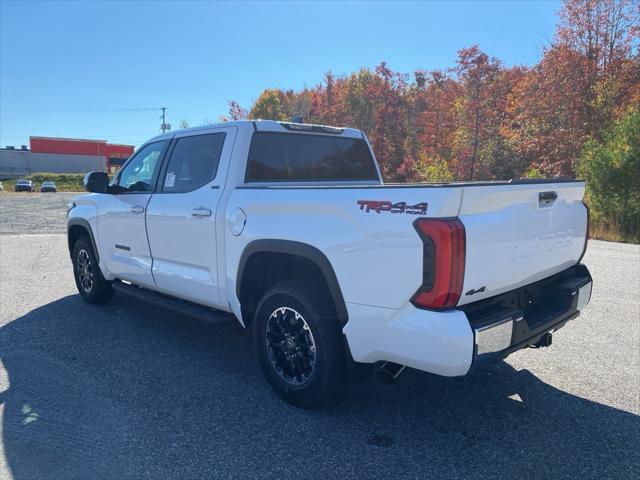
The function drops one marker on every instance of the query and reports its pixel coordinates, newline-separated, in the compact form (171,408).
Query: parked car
(48,187)
(1,187)
(25,186)
(289,227)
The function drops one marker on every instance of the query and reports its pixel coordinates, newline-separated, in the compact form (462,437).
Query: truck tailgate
(517,234)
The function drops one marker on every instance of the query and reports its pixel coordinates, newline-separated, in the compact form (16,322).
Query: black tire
(303,375)
(92,286)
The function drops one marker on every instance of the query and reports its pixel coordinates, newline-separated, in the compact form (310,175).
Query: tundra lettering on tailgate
(540,244)
(386,206)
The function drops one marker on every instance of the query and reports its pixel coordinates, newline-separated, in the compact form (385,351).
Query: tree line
(570,114)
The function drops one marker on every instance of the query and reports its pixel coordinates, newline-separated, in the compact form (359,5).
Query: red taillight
(443,262)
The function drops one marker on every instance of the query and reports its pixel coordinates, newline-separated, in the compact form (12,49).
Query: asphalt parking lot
(33,212)
(127,390)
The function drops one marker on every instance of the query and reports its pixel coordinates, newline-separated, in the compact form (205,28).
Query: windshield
(24,182)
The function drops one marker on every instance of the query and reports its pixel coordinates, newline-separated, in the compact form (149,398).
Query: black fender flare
(299,249)
(87,226)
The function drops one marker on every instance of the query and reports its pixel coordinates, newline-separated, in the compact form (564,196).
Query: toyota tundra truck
(290,228)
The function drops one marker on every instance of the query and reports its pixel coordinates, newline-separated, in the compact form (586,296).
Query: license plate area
(532,309)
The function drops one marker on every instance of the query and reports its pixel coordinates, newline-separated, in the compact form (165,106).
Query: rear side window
(277,157)
(193,162)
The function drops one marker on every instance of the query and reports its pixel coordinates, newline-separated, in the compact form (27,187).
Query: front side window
(276,157)
(193,163)
(139,174)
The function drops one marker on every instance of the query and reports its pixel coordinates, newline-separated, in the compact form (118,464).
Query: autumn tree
(476,110)
(438,113)
(323,103)
(270,105)
(390,118)
(236,112)
(600,30)
(602,33)
(546,111)
(585,79)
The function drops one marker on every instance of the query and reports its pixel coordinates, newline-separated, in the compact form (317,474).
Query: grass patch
(65,182)
(611,233)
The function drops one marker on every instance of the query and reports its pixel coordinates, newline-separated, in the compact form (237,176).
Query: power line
(79,110)
(96,136)
(130,135)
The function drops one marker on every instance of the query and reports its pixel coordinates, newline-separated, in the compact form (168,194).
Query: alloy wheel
(85,272)
(290,345)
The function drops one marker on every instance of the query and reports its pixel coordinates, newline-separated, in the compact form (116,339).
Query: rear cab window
(301,157)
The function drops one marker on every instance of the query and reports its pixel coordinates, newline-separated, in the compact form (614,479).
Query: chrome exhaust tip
(389,372)
(545,341)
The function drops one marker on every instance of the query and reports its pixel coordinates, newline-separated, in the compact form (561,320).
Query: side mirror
(96,182)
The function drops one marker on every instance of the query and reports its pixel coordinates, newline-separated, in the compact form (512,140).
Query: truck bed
(517,231)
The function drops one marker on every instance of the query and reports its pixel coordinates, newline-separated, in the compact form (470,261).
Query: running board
(174,304)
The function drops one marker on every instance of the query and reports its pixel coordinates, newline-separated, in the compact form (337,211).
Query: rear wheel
(91,284)
(299,345)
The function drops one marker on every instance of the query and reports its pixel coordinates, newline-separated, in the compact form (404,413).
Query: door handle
(545,198)
(201,212)
(137,209)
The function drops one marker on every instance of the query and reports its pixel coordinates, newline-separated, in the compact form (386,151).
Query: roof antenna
(297,119)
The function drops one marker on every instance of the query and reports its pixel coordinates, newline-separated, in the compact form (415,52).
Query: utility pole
(165,126)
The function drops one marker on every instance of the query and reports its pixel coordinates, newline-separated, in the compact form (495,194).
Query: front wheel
(299,345)
(91,284)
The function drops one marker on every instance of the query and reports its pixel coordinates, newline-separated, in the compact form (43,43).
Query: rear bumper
(450,343)
(506,323)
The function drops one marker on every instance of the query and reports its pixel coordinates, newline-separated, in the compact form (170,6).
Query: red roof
(78,146)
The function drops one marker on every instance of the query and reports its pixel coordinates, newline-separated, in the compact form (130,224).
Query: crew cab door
(121,217)
(181,216)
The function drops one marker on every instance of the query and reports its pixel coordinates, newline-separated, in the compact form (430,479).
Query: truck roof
(270,126)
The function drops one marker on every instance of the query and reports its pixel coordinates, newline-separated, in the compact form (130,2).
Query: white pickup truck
(290,228)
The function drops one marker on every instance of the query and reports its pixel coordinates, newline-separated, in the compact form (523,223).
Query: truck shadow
(129,391)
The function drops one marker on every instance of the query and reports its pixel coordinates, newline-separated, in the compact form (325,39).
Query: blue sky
(193,58)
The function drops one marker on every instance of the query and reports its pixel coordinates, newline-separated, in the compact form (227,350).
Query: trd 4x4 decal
(386,206)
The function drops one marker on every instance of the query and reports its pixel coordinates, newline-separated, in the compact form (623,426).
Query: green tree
(424,168)
(432,169)
(612,171)
(533,172)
